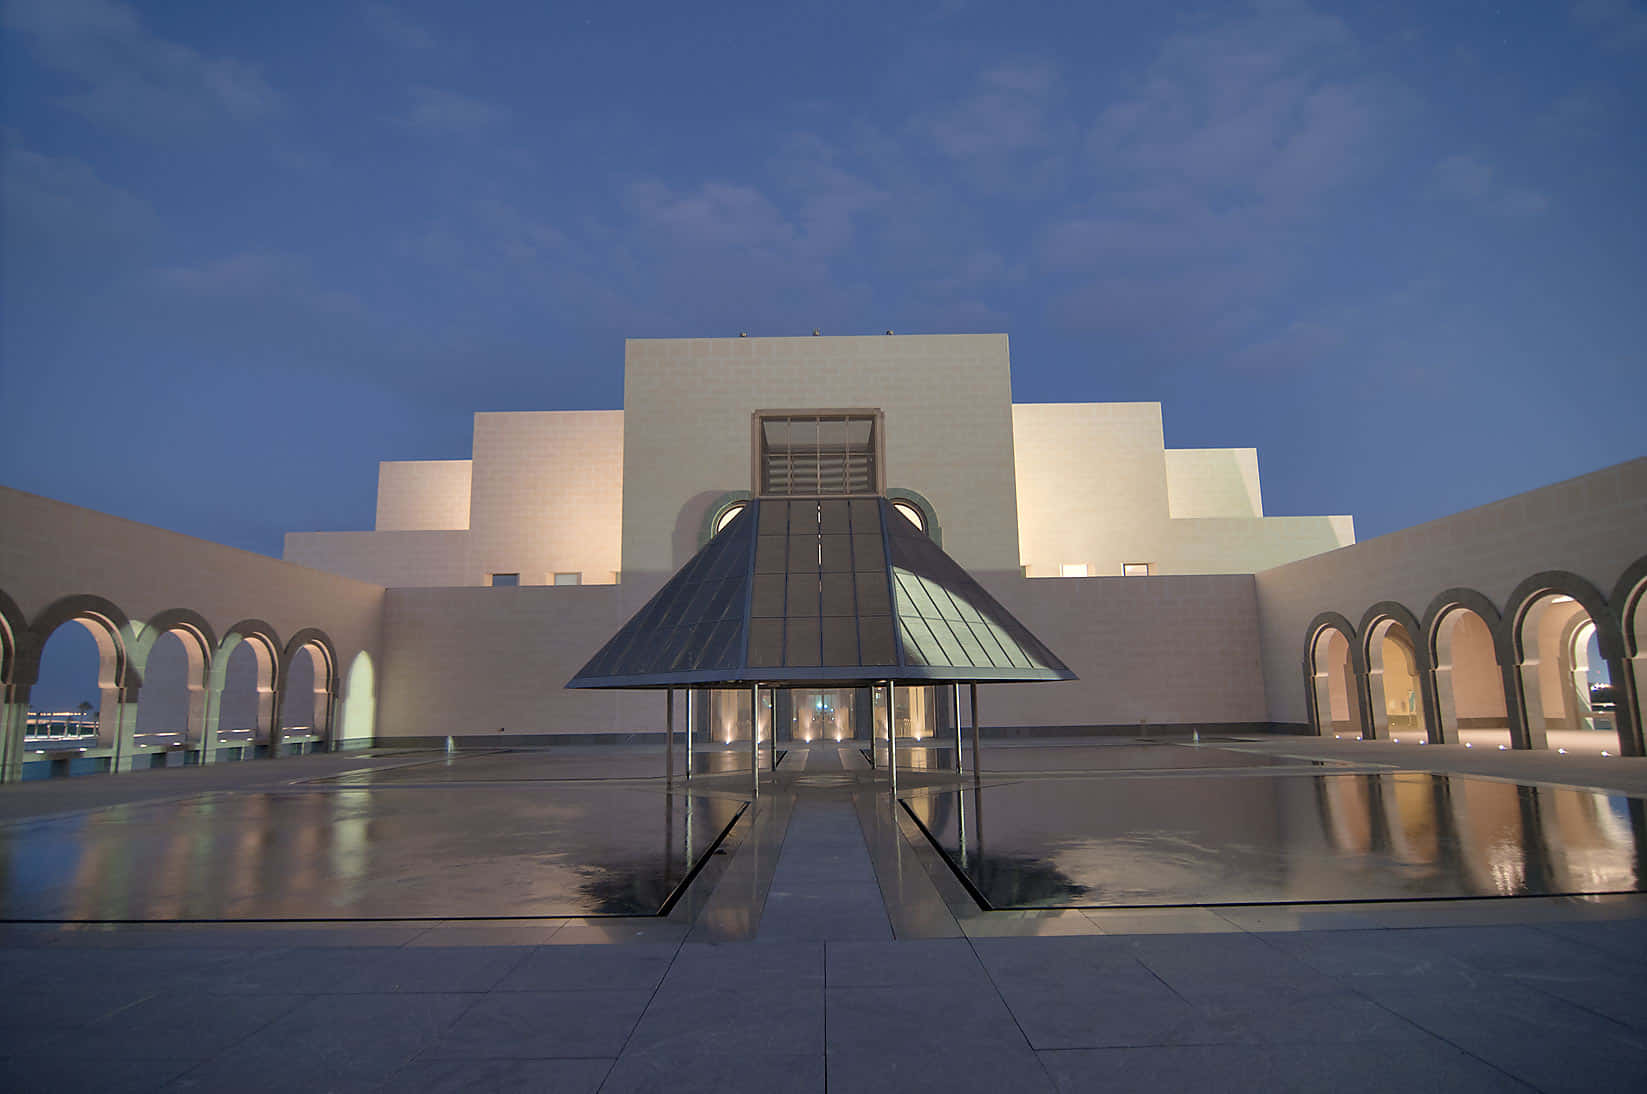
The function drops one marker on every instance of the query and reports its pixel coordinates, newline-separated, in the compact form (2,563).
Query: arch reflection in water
(350,853)
(1171,840)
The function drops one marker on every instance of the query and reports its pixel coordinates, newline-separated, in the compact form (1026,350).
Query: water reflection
(1321,838)
(357,854)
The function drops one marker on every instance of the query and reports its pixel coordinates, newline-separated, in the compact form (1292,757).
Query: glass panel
(774,518)
(992,648)
(868,553)
(803,594)
(801,643)
(875,644)
(866,516)
(766,642)
(803,554)
(835,518)
(873,599)
(803,517)
(770,554)
(768,595)
(918,641)
(837,553)
(840,641)
(837,594)
(940,598)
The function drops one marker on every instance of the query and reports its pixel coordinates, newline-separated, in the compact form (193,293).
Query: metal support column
(891,737)
(955,696)
(669,734)
(686,761)
(755,738)
(975,767)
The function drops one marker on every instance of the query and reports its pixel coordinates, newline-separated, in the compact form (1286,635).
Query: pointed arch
(1629,599)
(1463,639)
(267,651)
(1320,665)
(1378,630)
(316,645)
(1536,670)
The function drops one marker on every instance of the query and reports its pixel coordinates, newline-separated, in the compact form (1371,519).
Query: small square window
(1134,569)
(1073,569)
(569,579)
(500,580)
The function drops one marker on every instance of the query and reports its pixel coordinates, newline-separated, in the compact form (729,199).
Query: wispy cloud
(1467,180)
(438,110)
(133,80)
(1238,139)
(395,28)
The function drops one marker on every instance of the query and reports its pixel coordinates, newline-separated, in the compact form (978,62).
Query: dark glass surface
(1184,840)
(835,592)
(409,852)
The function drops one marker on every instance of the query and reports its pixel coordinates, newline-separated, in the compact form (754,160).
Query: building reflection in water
(410,852)
(1318,838)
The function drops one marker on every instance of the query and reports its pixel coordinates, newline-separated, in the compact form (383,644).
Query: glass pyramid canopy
(820,590)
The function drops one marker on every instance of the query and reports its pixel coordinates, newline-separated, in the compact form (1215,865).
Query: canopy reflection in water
(1176,840)
(403,853)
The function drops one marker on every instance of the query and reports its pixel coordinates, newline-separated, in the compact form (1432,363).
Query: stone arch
(1380,691)
(1529,634)
(718,508)
(929,515)
(1461,630)
(1630,680)
(118,679)
(317,646)
(267,650)
(1326,697)
(14,696)
(199,641)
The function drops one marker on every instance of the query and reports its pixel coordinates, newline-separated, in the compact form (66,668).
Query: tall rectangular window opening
(501,580)
(818,453)
(569,578)
(1134,569)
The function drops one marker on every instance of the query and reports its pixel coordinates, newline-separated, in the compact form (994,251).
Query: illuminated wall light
(1467,744)
(1563,751)
(1503,748)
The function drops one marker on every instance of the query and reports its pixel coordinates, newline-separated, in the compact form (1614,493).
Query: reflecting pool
(534,765)
(1087,756)
(403,853)
(1178,840)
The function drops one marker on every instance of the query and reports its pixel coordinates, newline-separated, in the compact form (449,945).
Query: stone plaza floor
(411,921)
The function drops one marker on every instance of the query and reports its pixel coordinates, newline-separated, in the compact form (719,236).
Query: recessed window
(1134,569)
(910,512)
(569,578)
(817,454)
(729,515)
(502,580)
(1073,569)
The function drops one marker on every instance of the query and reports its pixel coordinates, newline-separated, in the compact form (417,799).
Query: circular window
(728,515)
(911,512)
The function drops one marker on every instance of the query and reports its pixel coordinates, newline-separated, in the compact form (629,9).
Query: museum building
(1154,574)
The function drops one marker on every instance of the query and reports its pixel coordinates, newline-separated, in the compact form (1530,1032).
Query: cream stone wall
(949,431)
(386,558)
(1092,485)
(547,495)
(1097,487)
(1162,650)
(51,550)
(1213,482)
(423,495)
(1593,526)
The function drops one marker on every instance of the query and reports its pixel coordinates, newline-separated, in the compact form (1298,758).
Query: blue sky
(250,250)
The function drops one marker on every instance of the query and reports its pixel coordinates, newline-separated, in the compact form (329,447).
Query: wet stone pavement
(826,941)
